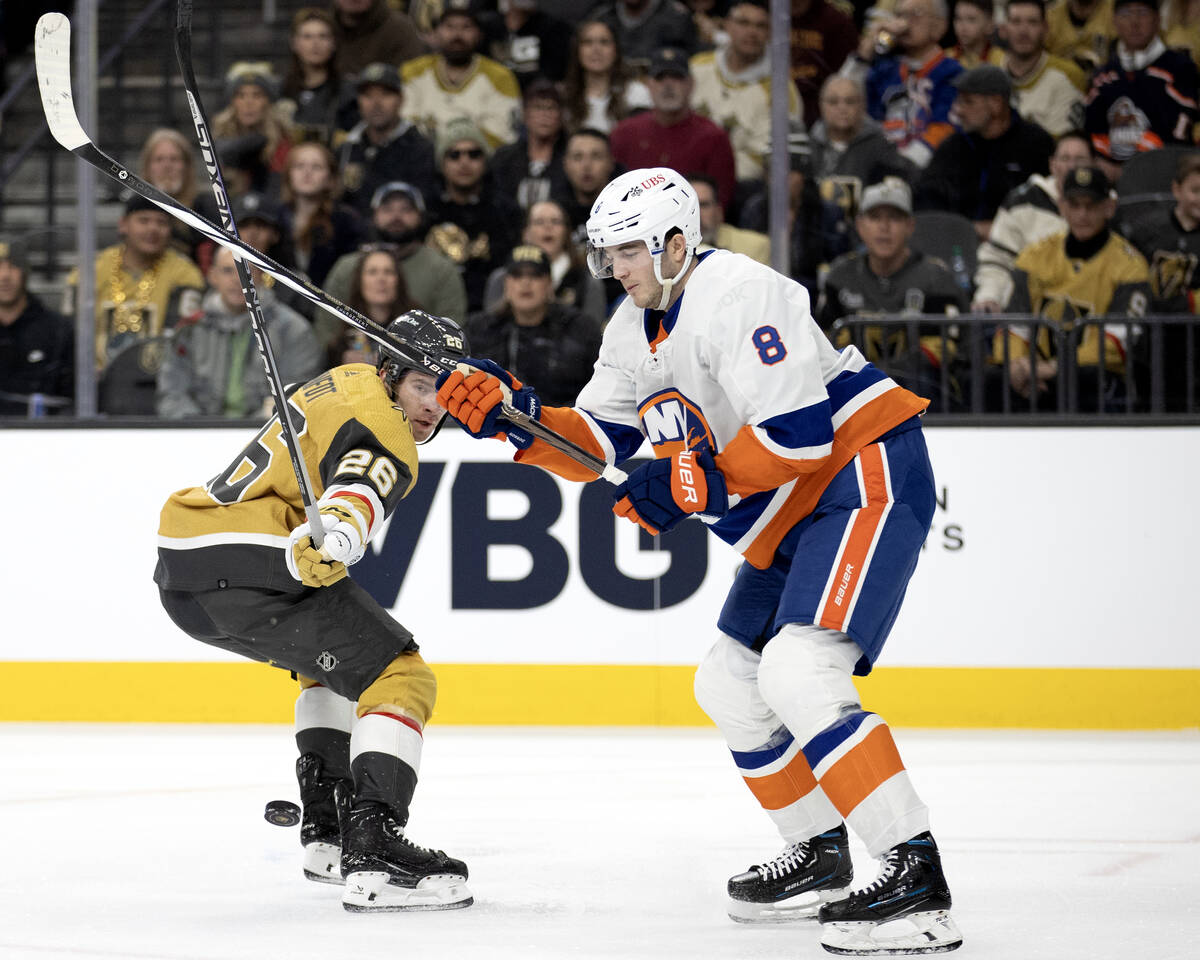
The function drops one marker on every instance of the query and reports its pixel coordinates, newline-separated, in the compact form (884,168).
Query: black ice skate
(904,911)
(795,884)
(384,870)
(326,801)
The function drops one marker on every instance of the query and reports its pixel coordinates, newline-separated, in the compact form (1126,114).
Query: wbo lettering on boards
(472,532)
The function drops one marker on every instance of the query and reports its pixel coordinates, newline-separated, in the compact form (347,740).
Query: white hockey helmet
(646,205)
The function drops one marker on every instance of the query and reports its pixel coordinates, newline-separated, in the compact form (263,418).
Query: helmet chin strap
(669,285)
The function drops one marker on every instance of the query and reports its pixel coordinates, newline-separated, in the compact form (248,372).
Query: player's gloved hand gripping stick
(482,396)
(663,492)
(490,402)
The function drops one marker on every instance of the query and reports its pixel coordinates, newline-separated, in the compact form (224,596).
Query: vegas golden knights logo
(452,240)
(1065,310)
(352,176)
(1171,273)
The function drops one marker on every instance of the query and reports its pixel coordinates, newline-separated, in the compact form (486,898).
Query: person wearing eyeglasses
(471,222)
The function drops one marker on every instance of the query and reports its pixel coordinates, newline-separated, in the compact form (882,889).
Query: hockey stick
(52,49)
(183,53)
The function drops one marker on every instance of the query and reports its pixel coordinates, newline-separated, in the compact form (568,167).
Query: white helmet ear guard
(643,205)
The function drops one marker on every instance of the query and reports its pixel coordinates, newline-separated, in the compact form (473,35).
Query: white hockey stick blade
(52,53)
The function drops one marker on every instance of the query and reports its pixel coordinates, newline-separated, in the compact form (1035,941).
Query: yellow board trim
(604,695)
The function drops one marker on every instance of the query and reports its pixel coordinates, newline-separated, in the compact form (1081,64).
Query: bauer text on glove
(660,493)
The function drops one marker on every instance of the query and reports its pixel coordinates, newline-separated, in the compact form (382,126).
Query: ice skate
(386,871)
(326,801)
(906,910)
(795,884)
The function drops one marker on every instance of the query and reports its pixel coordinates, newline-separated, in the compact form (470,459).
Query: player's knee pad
(726,690)
(805,677)
(407,687)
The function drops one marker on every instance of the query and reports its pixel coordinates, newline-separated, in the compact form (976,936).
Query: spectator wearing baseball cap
(398,219)
(994,151)
(471,222)
(459,81)
(1089,264)
(891,278)
(527,332)
(143,286)
(370,31)
(1145,96)
(532,168)
(672,134)
(37,345)
(383,146)
(260,223)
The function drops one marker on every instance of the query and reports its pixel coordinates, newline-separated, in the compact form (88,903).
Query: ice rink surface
(148,843)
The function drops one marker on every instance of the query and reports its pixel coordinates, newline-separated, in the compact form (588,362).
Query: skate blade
(798,909)
(370,892)
(931,932)
(323,863)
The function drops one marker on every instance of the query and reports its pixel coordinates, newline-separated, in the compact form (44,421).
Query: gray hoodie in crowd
(208,349)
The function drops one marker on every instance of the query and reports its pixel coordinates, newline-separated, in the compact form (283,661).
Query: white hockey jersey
(739,366)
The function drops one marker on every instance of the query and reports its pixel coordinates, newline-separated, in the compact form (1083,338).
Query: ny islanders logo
(673,423)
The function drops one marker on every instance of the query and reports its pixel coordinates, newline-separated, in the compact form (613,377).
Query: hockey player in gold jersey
(237,569)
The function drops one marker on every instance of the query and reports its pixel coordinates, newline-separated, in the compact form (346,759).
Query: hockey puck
(282,813)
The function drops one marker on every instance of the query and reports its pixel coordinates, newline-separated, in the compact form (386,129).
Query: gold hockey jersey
(234,530)
(1067,290)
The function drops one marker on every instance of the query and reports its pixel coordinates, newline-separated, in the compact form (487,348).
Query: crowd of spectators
(444,154)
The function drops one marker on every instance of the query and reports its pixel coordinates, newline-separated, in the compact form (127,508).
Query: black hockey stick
(183,53)
(52,48)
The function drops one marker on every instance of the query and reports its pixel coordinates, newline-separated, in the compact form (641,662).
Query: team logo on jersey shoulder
(672,423)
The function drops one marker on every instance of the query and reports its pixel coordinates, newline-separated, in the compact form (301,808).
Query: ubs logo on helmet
(653,181)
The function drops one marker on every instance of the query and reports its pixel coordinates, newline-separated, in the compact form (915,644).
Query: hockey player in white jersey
(811,462)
